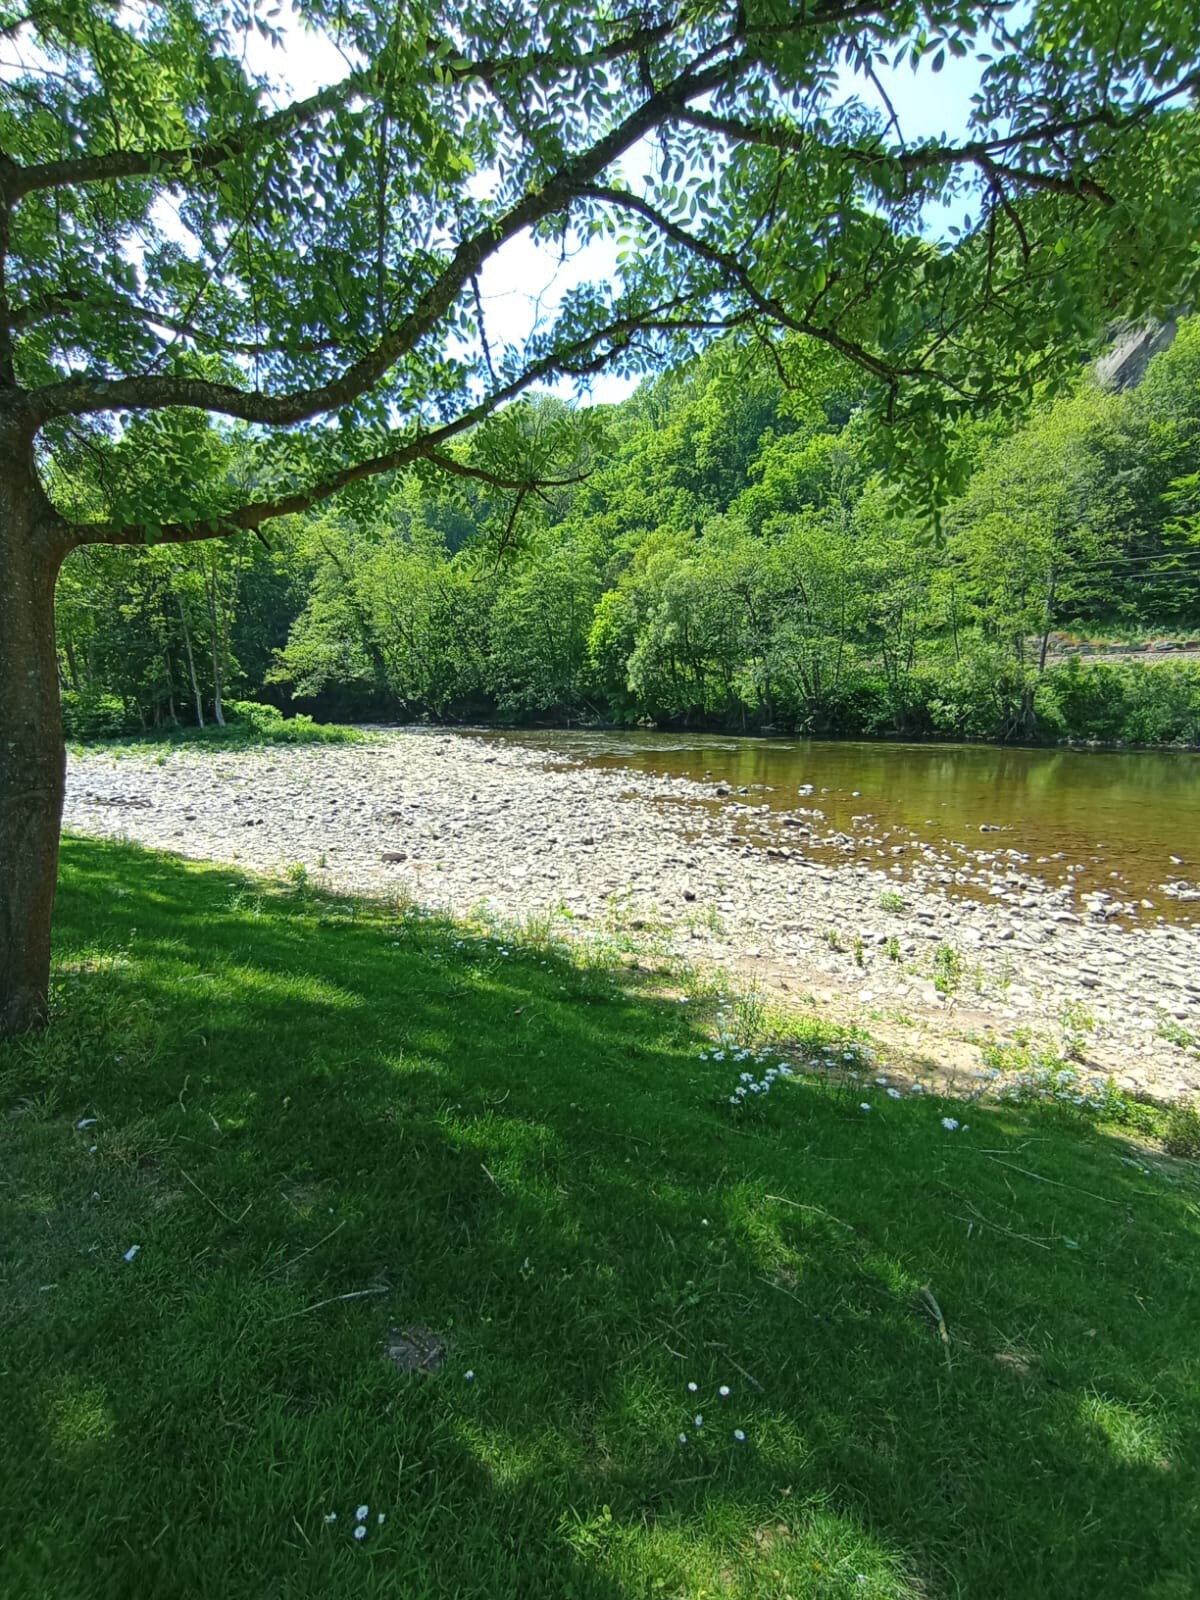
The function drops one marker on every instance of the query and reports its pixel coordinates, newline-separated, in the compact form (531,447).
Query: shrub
(88,714)
(251,713)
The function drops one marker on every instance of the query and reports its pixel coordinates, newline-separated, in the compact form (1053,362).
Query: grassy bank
(331,1128)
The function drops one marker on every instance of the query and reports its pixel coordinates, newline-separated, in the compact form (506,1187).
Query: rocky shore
(453,821)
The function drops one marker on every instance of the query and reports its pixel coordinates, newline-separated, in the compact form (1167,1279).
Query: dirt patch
(416,1349)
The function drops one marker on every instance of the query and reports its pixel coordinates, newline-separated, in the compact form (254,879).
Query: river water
(1123,822)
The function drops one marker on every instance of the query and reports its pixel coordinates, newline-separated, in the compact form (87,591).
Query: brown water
(1095,819)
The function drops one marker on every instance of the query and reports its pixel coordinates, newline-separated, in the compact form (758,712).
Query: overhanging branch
(577,358)
(81,396)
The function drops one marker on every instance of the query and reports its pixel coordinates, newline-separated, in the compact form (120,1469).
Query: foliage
(777,584)
(335,1128)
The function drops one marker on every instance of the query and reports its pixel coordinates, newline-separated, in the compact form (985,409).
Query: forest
(731,548)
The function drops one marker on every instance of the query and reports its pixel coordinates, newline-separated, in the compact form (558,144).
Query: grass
(323,1122)
(233,736)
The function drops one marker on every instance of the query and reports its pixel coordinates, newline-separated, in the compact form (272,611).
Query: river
(1126,823)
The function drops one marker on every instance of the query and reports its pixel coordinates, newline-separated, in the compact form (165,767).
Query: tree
(180,251)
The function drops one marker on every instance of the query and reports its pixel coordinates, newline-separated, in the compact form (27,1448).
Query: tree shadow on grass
(322,1124)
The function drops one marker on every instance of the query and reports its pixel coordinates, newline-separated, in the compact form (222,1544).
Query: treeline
(736,557)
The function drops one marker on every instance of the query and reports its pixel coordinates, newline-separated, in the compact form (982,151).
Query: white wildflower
(739,1436)
(683,1438)
(950,1124)
(894,1094)
(361,1514)
(360,1532)
(723,1391)
(699,1421)
(131,1252)
(468,1377)
(693,1388)
(864,1105)
(330,1516)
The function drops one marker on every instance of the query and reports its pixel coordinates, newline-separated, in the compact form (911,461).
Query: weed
(892,900)
(1175,1033)
(1181,1134)
(947,970)
(1078,1024)
(297,874)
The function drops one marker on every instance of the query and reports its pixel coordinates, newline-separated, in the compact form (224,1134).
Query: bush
(1125,701)
(252,714)
(88,714)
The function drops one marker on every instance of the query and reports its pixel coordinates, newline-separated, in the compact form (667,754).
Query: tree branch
(80,396)
(203,155)
(979,152)
(70,303)
(578,358)
(767,305)
(17,181)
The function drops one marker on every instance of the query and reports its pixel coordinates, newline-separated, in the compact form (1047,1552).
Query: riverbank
(677,867)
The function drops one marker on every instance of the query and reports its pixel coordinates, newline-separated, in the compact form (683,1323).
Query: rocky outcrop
(1135,344)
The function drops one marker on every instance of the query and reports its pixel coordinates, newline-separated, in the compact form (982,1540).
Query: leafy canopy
(179,239)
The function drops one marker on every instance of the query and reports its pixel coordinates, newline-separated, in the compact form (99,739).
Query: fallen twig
(929,1300)
(1025,1172)
(709,1345)
(999,1228)
(355,1294)
(801,1205)
(307,1252)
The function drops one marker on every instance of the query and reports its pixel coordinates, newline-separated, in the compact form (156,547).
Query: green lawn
(299,1100)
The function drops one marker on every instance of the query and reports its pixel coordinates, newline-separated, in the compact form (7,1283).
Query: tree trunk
(32,761)
(187,646)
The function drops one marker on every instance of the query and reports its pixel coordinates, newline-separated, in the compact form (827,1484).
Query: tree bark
(32,760)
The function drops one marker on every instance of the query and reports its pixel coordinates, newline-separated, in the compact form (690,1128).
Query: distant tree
(179,251)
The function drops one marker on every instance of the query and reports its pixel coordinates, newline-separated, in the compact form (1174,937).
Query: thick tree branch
(17,181)
(578,358)
(203,155)
(83,396)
